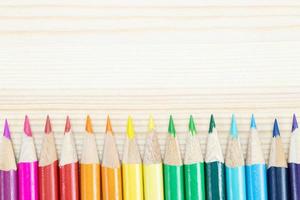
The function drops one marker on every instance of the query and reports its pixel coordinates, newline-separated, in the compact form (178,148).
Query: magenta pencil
(8,168)
(28,166)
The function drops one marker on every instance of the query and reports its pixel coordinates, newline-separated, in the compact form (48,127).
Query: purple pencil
(294,161)
(28,166)
(8,168)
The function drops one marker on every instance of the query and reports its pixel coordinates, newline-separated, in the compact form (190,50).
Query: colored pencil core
(88,125)
(130,128)
(171,129)
(68,125)
(27,128)
(192,127)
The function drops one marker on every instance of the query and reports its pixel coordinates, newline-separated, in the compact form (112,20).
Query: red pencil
(68,167)
(48,166)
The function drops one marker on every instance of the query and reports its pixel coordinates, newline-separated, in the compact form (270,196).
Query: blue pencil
(256,169)
(277,170)
(235,166)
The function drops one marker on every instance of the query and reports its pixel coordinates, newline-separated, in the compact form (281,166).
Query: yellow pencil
(152,166)
(132,167)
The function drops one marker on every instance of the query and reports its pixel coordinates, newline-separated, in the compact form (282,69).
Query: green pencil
(193,166)
(173,168)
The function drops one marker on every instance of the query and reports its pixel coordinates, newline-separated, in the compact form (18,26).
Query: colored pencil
(256,169)
(89,165)
(132,166)
(173,167)
(235,166)
(152,166)
(111,167)
(28,166)
(48,166)
(68,166)
(214,165)
(294,161)
(193,166)
(277,170)
(8,168)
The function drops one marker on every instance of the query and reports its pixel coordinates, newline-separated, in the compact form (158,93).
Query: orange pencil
(111,168)
(89,166)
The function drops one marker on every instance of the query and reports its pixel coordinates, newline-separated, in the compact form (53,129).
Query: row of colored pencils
(148,177)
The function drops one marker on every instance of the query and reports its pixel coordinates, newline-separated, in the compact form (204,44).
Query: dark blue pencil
(277,170)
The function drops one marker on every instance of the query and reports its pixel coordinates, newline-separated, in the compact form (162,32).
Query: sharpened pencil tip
(233,129)
(130,128)
(212,124)
(253,123)
(27,128)
(48,127)
(6,132)
(108,125)
(295,123)
(192,126)
(151,124)
(88,125)
(276,131)
(68,125)
(171,128)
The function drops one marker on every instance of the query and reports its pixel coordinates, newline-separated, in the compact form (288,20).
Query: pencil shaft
(8,185)
(278,183)
(48,182)
(173,182)
(111,183)
(215,181)
(90,181)
(235,183)
(194,181)
(294,173)
(28,180)
(132,181)
(256,177)
(69,182)
(153,181)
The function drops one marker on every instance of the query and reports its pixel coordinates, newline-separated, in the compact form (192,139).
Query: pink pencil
(28,166)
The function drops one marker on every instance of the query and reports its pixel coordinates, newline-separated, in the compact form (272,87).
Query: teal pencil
(214,165)
(235,166)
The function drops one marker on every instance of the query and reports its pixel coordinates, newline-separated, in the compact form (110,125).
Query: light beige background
(165,57)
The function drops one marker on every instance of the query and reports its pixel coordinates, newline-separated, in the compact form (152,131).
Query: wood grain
(91,57)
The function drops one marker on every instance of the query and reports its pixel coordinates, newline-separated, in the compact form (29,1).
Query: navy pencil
(277,169)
